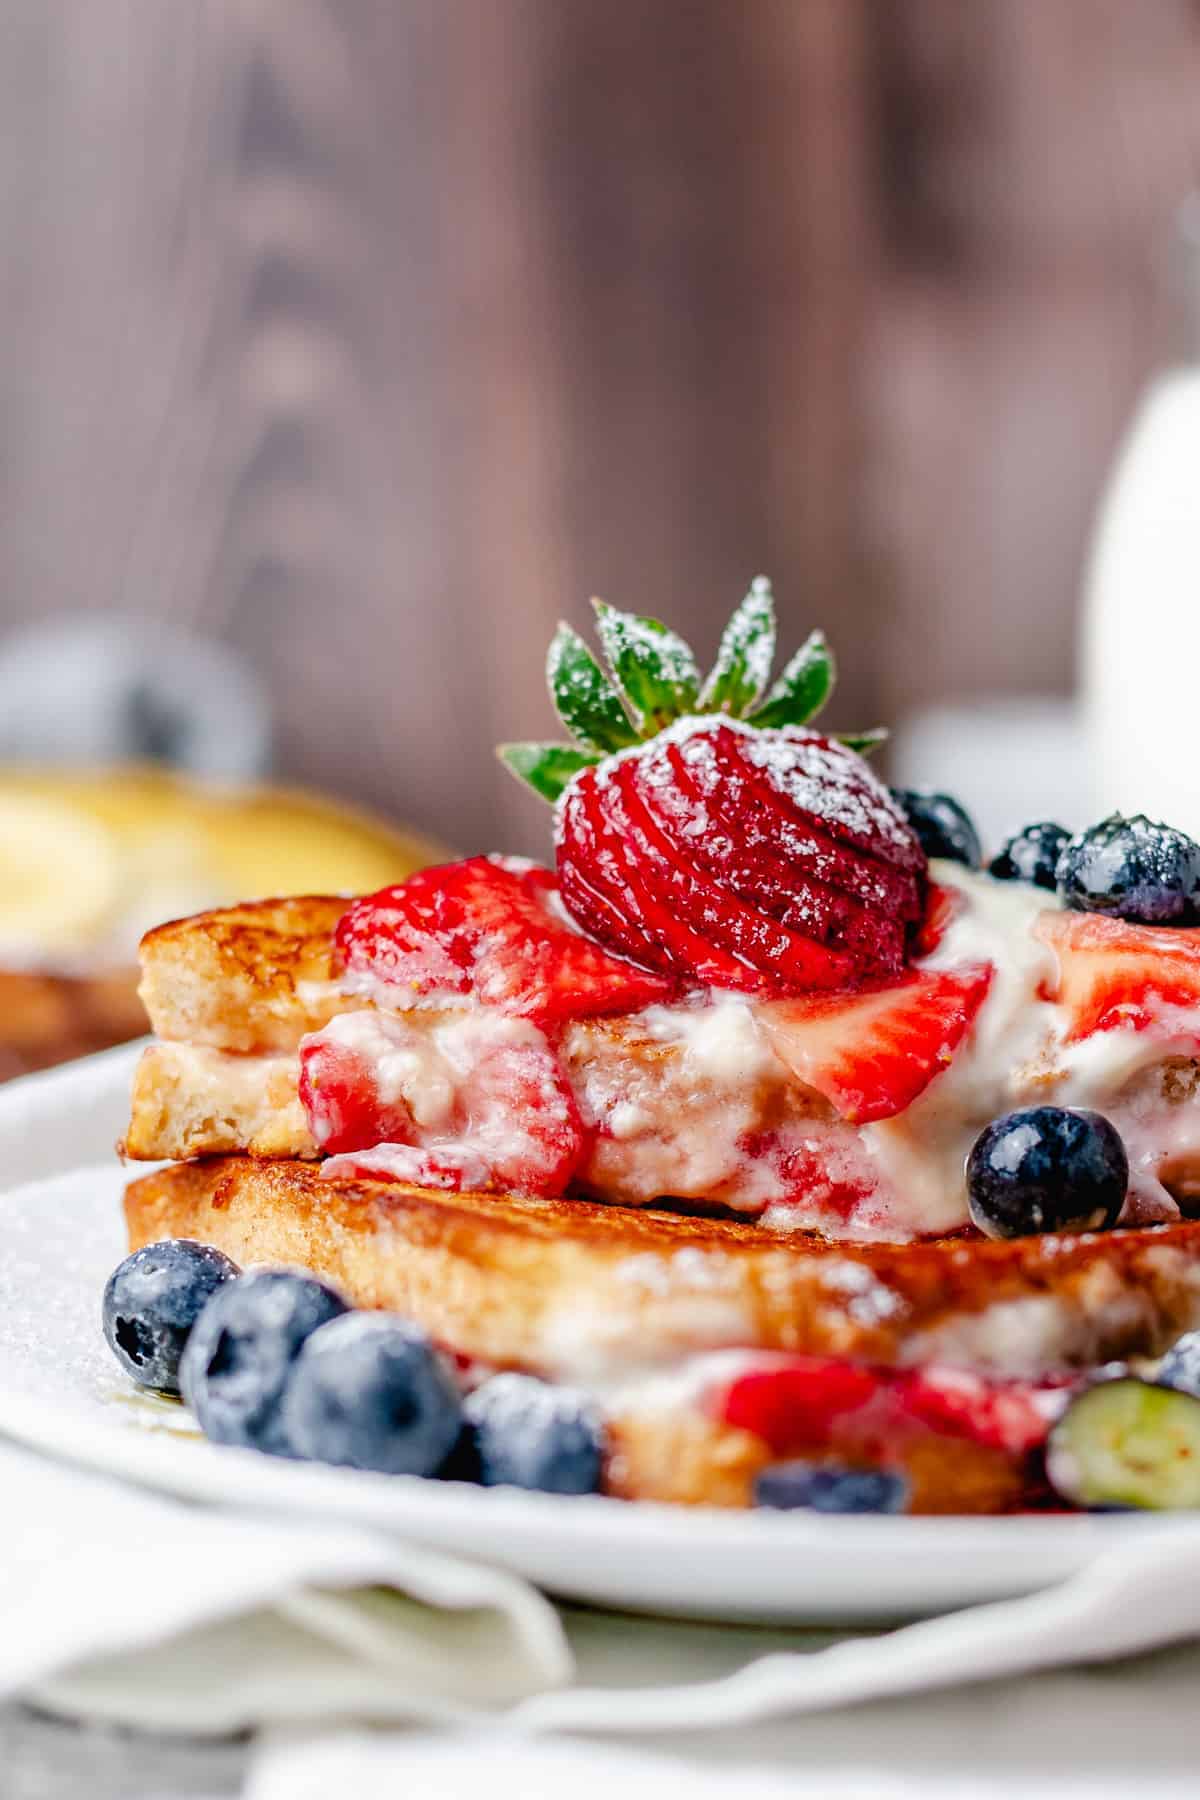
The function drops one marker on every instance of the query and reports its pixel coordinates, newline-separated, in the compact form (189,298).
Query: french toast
(552,1285)
(794,1146)
(627,1300)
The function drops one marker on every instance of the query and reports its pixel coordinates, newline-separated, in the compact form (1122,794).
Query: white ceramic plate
(61,1391)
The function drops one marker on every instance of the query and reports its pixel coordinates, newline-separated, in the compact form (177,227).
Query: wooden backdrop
(373,335)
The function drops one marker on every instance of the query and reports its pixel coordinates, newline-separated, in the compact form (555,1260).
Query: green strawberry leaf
(653,667)
(803,688)
(743,667)
(584,698)
(547,768)
(864,741)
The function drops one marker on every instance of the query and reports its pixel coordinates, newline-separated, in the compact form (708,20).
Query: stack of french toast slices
(768,1122)
(655,1309)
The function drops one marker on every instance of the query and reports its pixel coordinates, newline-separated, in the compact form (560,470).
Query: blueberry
(1032,855)
(1046,1168)
(529,1434)
(151,1302)
(792,1486)
(1132,869)
(371,1392)
(1180,1367)
(941,825)
(240,1355)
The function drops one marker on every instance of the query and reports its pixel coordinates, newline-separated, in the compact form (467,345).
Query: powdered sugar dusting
(830,782)
(526,1406)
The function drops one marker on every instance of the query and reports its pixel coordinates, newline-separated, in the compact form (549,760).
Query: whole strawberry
(704,830)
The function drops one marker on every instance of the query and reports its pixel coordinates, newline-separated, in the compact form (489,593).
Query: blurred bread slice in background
(92,858)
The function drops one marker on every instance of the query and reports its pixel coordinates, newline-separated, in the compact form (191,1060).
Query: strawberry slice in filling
(872,1054)
(1113,974)
(479,1100)
(814,1406)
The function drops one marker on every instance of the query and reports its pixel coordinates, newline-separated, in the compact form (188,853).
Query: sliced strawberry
(593,826)
(476,1092)
(779,960)
(795,1404)
(758,872)
(872,1053)
(776,849)
(486,928)
(1111,973)
(1014,1416)
(821,779)
(942,907)
(341,1098)
(761,812)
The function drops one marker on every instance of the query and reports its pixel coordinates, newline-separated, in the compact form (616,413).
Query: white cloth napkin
(422,1767)
(125,1606)
(122,1606)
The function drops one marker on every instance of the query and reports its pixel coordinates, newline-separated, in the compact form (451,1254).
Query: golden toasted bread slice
(245,978)
(604,1295)
(190,1101)
(557,1286)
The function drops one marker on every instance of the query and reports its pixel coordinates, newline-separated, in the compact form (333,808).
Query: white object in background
(1011,761)
(1142,620)
(115,689)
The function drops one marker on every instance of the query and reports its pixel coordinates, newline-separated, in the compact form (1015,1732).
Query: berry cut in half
(1128,1443)
(705,831)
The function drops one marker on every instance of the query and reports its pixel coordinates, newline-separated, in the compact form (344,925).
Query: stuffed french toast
(767,1147)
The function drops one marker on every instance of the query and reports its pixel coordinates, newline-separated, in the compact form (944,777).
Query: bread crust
(245,978)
